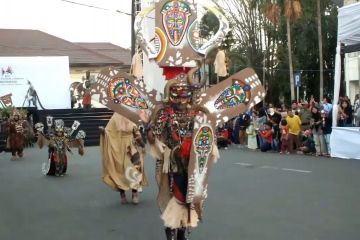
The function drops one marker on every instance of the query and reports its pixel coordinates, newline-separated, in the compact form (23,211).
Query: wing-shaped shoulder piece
(235,95)
(124,94)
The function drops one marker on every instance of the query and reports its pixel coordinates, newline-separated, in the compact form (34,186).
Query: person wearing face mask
(275,118)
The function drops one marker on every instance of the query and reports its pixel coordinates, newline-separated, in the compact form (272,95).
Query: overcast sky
(70,21)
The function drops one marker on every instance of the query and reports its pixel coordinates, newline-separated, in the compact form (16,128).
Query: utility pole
(132,27)
(321,61)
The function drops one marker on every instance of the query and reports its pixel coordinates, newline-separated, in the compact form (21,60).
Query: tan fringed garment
(116,146)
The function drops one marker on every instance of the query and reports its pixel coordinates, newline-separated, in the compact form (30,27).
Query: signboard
(297,79)
(48,76)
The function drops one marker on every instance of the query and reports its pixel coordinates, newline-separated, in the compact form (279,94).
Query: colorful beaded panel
(123,92)
(234,95)
(203,146)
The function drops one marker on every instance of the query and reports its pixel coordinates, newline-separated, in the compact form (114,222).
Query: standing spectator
(317,130)
(327,106)
(295,107)
(251,133)
(327,128)
(283,110)
(305,116)
(344,114)
(275,119)
(266,137)
(284,136)
(241,124)
(294,124)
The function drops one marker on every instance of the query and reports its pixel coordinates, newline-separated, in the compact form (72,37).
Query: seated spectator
(222,136)
(265,137)
(308,144)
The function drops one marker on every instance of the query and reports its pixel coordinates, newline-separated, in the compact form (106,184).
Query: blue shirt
(327,107)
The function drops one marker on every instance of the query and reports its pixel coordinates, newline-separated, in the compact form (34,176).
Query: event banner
(47,77)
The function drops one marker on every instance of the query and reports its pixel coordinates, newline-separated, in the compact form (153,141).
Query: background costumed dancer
(59,139)
(17,128)
(123,153)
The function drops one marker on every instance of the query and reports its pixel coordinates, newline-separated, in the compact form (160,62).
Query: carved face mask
(180,94)
(175,15)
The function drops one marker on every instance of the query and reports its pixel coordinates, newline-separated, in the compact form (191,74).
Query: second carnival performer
(123,153)
(17,128)
(59,140)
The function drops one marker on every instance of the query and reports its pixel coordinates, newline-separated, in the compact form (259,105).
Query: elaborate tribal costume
(181,128)
(123,155)
(16,129)
(171,136)
(59,139)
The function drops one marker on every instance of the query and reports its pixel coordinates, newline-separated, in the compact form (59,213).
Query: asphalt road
(252,196)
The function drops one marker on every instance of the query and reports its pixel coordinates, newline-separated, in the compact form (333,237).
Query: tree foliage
(260,44)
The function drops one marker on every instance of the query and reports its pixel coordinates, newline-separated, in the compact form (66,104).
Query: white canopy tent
(348,34)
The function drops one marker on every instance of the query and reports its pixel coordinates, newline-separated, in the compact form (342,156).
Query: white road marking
(243,164)
(274,168)
(270,167)
(295,170)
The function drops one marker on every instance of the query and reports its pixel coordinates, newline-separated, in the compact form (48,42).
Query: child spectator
(284,136)
(251,133)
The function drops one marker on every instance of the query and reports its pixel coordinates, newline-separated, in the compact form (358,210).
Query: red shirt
(267,135)
(284,132)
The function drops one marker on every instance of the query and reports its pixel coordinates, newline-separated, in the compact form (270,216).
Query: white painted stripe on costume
(295,170)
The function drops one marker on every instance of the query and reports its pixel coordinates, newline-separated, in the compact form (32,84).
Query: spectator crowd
(302,128)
